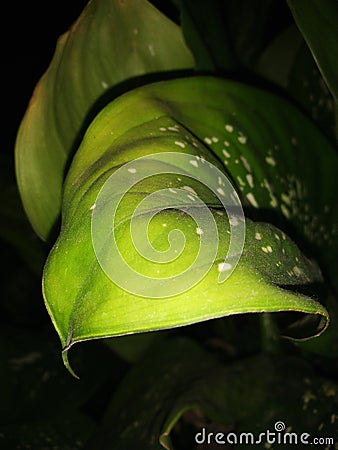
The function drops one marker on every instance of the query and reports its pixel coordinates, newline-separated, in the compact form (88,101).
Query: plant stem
(270,337)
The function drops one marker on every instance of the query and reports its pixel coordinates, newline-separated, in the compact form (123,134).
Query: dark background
(29,31)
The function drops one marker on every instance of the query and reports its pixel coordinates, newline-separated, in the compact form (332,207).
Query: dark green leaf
(247,22)
(287,61)
(132,348)
(277,60)
(326,344)
(150,390)
(224,34)
(180,380)
(203,25)
(308,88)
(317,20)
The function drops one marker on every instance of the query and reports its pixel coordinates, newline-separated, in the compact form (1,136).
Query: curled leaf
(208,119)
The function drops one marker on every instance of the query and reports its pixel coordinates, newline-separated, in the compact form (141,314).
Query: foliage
(248,90)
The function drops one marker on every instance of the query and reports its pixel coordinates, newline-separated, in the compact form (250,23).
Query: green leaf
(326,345)
(179,386)
(308,88)
(247,22)
(223,35)
(317,20)
(203,25)
(287,61)
(133,347)
(270,151)
(112,42)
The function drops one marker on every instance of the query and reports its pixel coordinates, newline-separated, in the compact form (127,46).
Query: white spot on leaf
(174,128)
(190,189)
(270,160)
(180,144)
(242,139)
(245,163)
(151,49)
(252,199)
(249,178)
(222,267)
(297,271)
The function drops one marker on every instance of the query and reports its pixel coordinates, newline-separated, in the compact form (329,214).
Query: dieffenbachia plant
(281,166)
(267,148)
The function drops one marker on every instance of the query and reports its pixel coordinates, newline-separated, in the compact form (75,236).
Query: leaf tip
(66,362)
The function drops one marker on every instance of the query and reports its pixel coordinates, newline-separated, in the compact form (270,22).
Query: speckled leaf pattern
(265,145)
(180,380)
(111,42)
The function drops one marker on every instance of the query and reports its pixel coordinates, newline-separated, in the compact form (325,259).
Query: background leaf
(180,388)
(110,43)
(288,62)
(191,111)
(205,33)
(317,21)
(224,35)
